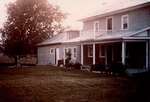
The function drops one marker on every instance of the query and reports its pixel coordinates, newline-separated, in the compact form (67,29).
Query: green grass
(53,84)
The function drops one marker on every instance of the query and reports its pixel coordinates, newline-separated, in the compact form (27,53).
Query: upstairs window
(96,26)
(109,23)
(125,22)
(72,34)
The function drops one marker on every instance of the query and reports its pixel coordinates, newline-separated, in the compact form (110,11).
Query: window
(72,34)
(125,22)
(69,50)
(148,33)
(66,50)
(96,26)
(90,51)
(72,50)
(75,52)
(109,23)
(102,51)
(52,51)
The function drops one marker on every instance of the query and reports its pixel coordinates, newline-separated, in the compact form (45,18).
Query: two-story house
(118,36)
(122,36)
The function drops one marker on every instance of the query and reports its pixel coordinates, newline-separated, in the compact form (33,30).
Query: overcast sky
(77,9)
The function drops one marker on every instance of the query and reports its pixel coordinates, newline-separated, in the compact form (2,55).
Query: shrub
(98,67)
(118,68)
(77,65)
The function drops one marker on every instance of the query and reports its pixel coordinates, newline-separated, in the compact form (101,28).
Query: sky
(77,9)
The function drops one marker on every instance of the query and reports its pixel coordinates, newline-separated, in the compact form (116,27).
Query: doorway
(136,55)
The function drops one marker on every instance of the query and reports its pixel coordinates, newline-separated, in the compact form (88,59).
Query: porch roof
(57,39)
(113,37)
(134,35)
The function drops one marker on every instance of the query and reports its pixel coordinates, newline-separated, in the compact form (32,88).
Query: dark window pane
(109,24)
(90,51)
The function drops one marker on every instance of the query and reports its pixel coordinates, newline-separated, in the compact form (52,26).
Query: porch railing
(90,34)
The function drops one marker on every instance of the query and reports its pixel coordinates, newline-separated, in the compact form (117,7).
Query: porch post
(64,55)
(82,54)
(147,55)
(93,53)
(94,35)
(123,52)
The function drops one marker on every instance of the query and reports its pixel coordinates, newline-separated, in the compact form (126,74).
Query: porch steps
(88,68)
(132,72)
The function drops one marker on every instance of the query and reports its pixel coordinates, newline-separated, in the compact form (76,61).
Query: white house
(121,35)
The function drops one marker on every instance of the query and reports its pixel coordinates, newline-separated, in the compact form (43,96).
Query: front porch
(132,54)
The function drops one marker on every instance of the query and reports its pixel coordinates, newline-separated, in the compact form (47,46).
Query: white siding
(44,56)
(138,19)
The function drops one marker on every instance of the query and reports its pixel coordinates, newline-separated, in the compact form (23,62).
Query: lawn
(53,84)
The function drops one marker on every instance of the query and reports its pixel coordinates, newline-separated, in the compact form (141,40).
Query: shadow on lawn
(142,84)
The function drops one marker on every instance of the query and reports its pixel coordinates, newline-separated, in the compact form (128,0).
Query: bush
(6,64)
(118,68)
(77,65)
(98,67)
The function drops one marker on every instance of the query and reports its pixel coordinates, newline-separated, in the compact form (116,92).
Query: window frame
(122,22)
(107,18)
(100,51)
(74,53)
(96,23)
(52,51)
(90,48)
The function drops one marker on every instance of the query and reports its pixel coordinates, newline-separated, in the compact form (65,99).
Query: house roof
(125,35)
(57,39)
(113,9)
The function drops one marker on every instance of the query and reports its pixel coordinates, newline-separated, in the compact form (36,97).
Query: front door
(109,55)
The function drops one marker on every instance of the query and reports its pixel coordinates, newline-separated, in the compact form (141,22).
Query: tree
(29,22)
